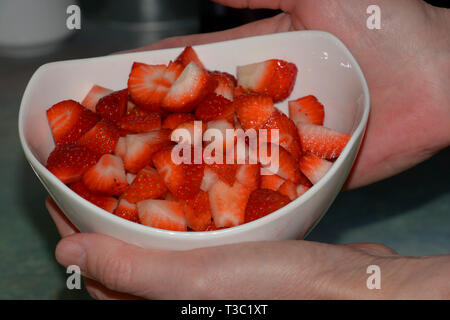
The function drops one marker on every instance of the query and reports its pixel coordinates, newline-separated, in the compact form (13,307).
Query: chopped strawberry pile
(117,149)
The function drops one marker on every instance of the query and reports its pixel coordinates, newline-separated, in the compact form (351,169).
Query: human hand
(252,270)
(406,65)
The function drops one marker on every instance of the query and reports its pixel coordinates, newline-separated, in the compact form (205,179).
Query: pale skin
(407,66)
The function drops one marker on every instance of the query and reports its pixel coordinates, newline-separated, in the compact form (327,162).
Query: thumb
(122,267)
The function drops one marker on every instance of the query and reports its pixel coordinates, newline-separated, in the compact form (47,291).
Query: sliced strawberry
(141,147)
(121,148)
(321,141)
(225,84)
(208,180)
(215,107)
(212,227)
(189,55)
(113,106)
(69,162)
(253,109)
(162,214)
(140,123)
(96,93)
(239,91)
(306,109)
(286,166)
(263,202)
(130,177)
(173,71)
(272,182)
(148,84)
(189,89)
(102,138)
(301,189)
(147,184)
(197,212)
(127,210)
(289,189)
(228,203)
(287,132)
(107,176)
(183,180)
(225,172)
(105,202)
(69,120)
(248,175)
(314,167)
(174,119)
(195,130)
(275,78)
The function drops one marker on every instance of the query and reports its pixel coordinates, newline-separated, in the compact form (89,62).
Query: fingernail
(69,252)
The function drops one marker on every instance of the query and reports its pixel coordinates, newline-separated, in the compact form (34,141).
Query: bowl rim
(197,235)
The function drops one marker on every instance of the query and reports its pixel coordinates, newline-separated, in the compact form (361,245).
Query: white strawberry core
(252,75)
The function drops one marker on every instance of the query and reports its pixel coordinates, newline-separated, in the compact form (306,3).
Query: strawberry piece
(141,147)
(148,84)
(272,182)
(314,167)
(321,141)
(228,203)
(263,202)
(69,120)
(253,109)
(140,123)
(127,210)
(107,176)
(226,172)
(306,109)
(121,148)
(146,185)
(225,84)
(215,107)
(105,202)
(212,227)
(102,138)
(274,77)
(289,189)
(301,189)
(190,126)
(287,165)
(208,180)
(287,131)
(69,162)
(239,91)
(248,175)
(130,177)
(183,180)
(197,212)
(94,95)
(162,214)
(189,55)
(174,119)
(189,89)
(113,106)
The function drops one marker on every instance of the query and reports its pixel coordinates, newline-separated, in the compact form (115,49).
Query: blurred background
(409,212)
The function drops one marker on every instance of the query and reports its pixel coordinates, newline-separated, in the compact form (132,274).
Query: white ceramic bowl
(326,69)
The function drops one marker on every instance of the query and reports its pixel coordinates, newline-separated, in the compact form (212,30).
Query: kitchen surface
(409,212)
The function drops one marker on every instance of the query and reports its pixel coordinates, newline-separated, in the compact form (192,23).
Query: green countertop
(409,212)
